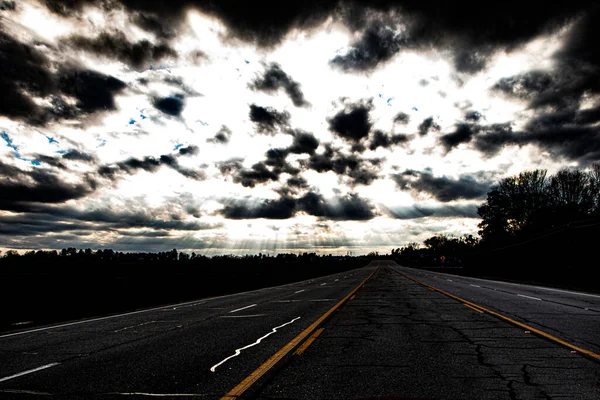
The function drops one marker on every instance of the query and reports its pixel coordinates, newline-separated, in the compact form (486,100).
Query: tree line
(534,226)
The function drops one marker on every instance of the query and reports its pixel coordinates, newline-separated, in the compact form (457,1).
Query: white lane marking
(239,351)
(167,308)
(133,326)
(300,291)
(29,371)
(564,291)
(529,297)
(474,285)
(321,300)
(344,276)
(192,305)
(528,286)
(449,280)
(336,280)
(242,316)
(243,308)
(17,391)
(323,284)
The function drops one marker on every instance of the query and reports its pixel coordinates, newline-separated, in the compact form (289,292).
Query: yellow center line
(581,350)
(308,342)
(473,308)
(282,352)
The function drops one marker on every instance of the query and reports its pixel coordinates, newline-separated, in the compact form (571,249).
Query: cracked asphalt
(400,340)
(166,351)
(393,339)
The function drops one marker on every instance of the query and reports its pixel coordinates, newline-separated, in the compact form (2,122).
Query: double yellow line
(481,309)
(275,358)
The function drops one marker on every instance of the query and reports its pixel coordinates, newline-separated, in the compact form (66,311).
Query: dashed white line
(239,351)
(323,284)
(243,316)
(134,326)
(29,371)
(449,280)
(299,291)
(243,308)
(336,280)
(474,285)
(529,297)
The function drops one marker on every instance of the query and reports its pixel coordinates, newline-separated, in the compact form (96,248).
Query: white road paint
(18,391)
(239,351)
(523,285)
(134,326)
(29,371)
(321,300)
(243,308)
(336,280)
(169,307)
(529,297)
(323,284)
(474,285)
(242,316)
(192,305)
(449,280)
(300,291)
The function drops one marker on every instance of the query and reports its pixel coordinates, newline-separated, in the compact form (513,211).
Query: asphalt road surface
(393,338)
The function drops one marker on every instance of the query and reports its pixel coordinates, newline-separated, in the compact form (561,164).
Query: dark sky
(327,126)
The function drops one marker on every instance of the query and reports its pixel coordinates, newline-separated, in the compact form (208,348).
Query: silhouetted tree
(511,204)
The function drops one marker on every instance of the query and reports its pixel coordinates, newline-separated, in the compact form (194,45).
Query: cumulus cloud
(268,120)
(222,136)
(342,208)
(439,211)
(353,123)
(171,105)
(377,44)
(149,164)
(116,45)
(274,78)
(442,188)
(22,190)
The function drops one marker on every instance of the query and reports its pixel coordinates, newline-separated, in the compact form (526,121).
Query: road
(168,349)
(393,337)
(572,316)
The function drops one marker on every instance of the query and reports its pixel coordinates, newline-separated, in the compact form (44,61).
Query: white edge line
(109,317)
(529,297)
(243,308)
(474,285)
(29,371)
(323,284)
(525,285)
(300,291)
(147,310)
(239,351)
